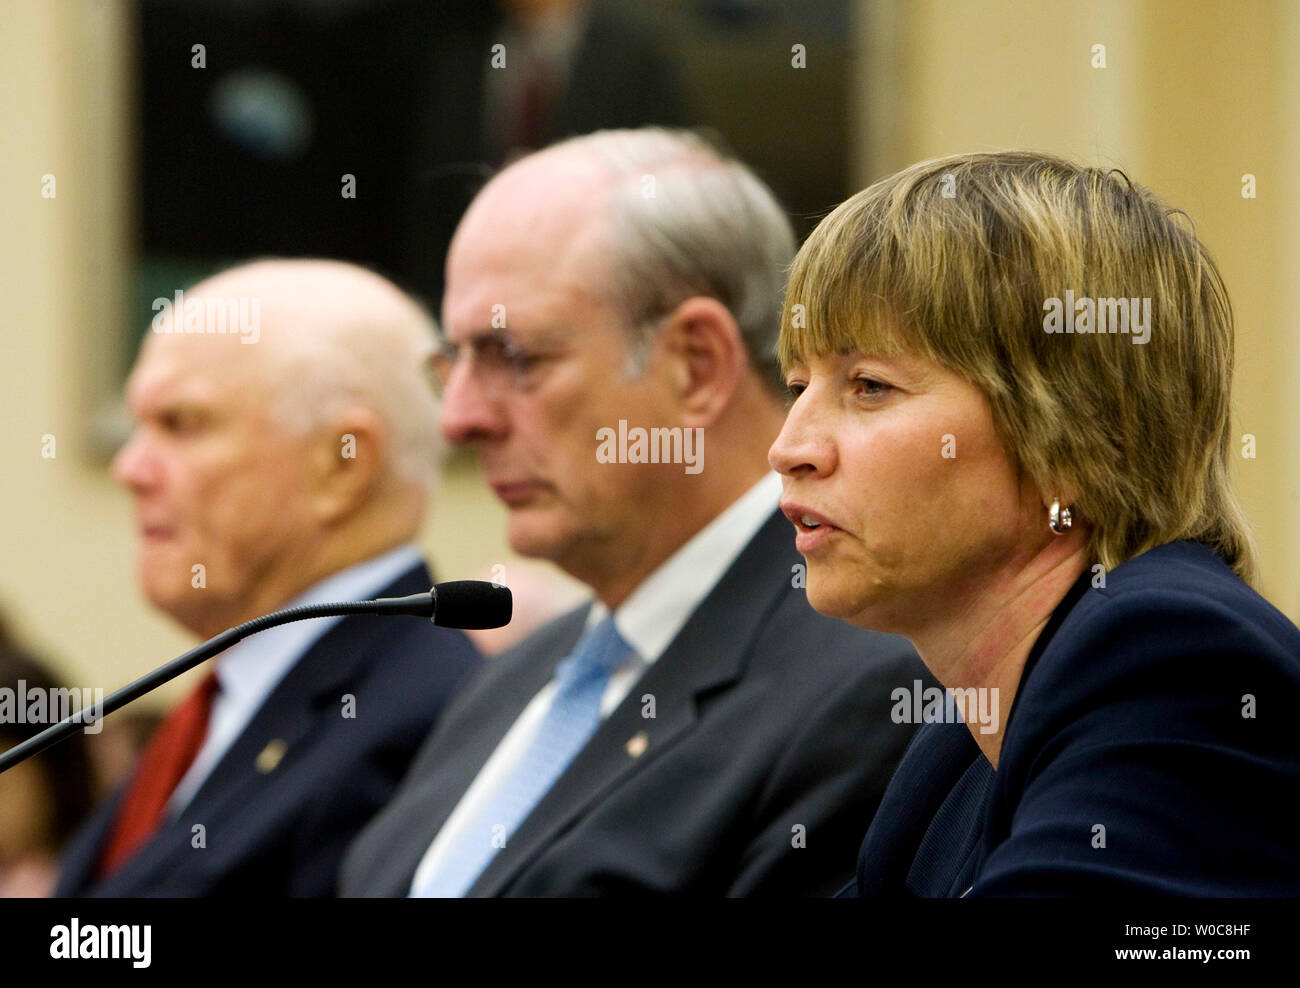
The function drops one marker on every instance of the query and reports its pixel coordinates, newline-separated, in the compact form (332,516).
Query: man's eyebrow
(544,340)
(480,336)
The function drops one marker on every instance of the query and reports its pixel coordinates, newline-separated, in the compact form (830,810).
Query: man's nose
(136,466)
(469,410)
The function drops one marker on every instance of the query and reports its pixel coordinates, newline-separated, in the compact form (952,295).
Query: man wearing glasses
(697,729)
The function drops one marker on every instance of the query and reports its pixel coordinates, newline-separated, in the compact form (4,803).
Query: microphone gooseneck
(458,604)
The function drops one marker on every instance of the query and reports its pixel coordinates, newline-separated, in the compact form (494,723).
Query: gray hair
(688,219)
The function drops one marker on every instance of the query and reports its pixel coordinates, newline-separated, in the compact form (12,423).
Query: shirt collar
(659,607)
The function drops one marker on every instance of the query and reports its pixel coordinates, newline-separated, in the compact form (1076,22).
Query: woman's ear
(346,464)
(702,342)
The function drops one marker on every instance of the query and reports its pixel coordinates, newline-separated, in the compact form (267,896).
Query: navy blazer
(1146,751)
(769,747)
(279,827)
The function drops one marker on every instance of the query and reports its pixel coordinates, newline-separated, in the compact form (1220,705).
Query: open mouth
(812,529)
(805,519)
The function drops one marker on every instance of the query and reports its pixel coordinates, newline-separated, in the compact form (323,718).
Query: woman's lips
(814,528)
(810,541)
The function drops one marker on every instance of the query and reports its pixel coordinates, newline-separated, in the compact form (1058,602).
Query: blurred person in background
(282,457)
(1010,442)
(44,799)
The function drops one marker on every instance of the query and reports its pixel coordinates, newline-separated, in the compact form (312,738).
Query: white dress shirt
(648,620)
(249,670)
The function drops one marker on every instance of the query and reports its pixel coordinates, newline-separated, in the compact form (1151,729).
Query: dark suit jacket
(1134,715)
(282,832)
(768,717)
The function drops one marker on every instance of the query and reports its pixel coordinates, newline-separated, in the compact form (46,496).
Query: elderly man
(284,449)
(611,309)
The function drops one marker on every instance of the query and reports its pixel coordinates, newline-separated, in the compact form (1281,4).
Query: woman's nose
(803,445)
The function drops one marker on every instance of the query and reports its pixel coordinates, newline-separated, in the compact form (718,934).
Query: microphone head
(471,604)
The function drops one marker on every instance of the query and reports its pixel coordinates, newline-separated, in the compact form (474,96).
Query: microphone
(458,604)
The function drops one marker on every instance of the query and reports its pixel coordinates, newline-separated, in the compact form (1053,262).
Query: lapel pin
(271,755)
(636,744)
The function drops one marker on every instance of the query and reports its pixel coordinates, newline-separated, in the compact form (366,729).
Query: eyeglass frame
(519,360)
(515,361)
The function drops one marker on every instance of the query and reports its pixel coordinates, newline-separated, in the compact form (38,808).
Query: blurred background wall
(1193,95)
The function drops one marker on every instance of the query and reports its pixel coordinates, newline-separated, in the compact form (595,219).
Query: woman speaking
(1009,441)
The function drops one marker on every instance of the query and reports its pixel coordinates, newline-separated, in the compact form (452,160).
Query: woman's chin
(846,600)
(833,599)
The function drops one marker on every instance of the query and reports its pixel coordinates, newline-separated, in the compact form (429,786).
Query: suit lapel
(312,688)
(706,656)
(313,685)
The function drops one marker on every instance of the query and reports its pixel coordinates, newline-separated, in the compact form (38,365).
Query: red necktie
(163,764)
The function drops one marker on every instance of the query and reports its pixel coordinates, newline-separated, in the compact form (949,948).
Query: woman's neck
(985,643)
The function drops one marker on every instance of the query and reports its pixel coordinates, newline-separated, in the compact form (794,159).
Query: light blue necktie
(573,717)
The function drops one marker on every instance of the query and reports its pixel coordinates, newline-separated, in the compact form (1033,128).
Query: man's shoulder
(403,665)
(558,633)
(412,645)
(415,653)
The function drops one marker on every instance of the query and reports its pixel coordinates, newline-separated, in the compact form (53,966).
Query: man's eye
(506,353)
(494,350)
(180,422)
(793,390)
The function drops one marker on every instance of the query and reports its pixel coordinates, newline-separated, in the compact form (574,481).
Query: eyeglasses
(502,365)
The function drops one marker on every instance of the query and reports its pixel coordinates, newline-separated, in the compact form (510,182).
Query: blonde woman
(1009,441)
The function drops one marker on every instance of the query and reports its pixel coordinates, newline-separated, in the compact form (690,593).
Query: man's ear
(701,342)
(345,464)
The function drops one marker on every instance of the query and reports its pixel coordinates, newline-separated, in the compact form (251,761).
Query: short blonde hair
(959,258)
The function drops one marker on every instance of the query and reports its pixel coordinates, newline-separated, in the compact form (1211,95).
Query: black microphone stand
(420,605)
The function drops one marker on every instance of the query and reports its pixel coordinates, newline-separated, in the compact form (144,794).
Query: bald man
(284,449)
